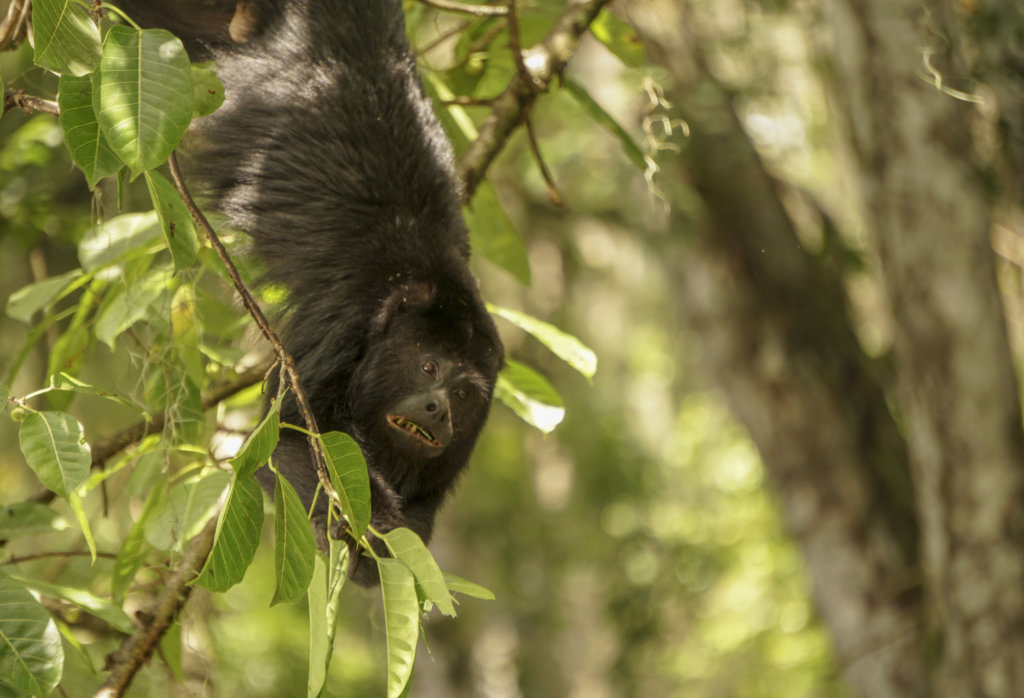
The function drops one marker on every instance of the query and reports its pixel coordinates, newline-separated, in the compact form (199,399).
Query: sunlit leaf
(175,220)
(107,242)
(28,300)
(260,443)
(31,654)
(208,92)
(142,95)
(238,536)
(530,396)
(110,613)
(562,344)
(89,148)
(401,620)
(294,547)
(67,40)
(458,585)
(347,466)
(54,446)
(406,546)
(620,37)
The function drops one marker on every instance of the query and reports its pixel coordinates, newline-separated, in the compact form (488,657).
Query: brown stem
(287,362)
(19,99)
(542,63)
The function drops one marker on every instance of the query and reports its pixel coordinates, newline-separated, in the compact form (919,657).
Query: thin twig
(16,559)
(463,8)
(14,27)
(553,193)
(291,374)
(544,62)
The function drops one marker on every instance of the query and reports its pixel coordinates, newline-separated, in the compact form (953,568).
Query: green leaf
(63,381)
(89,148)
(142,95)
(458,585)
(110,613)
(116,238)
(133,550)
(31,654)
(566,347)
(347,467)
(492,234)
(170,651)
(530,396)
(401,620)
(129,307)
(29,519)
(54,446)
(324,594)
(620,38)
(187,508)
(406,546)
(66,38)
(28,300)
(260,443)
(238,536)
(598,114)
(175,220)
(78,509)
(294,547)
(208,92)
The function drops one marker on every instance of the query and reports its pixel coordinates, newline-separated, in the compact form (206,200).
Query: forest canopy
(757,268)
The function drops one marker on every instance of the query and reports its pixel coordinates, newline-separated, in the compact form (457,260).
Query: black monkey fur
(328,154)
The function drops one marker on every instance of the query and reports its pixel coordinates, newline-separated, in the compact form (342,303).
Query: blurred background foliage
(635,551)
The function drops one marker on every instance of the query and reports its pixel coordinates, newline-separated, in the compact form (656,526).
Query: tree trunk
(956,382)
(776,337)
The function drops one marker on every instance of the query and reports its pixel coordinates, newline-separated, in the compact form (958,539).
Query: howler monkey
(328,155)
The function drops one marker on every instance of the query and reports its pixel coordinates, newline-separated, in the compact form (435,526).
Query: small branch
(291,374)
(136,650)
(19,99)
(553,193)
(105,449)
(14,27)
(16,559)
(463,8)
(543,63)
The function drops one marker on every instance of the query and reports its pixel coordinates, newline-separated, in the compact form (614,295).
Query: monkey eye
(461,393)
(429,367)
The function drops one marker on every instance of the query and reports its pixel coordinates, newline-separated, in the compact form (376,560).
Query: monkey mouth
(418,431)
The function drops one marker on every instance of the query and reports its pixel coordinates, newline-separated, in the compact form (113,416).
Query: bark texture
(956,383)
(776,337)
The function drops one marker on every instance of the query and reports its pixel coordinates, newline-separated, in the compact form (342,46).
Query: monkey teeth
(411,427)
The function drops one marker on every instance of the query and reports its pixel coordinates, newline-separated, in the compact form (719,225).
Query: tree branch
(463,8)
(106,448)
(136,649)
(543,63)
(19,99)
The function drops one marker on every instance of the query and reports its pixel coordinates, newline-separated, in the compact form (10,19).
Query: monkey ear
(410,296)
